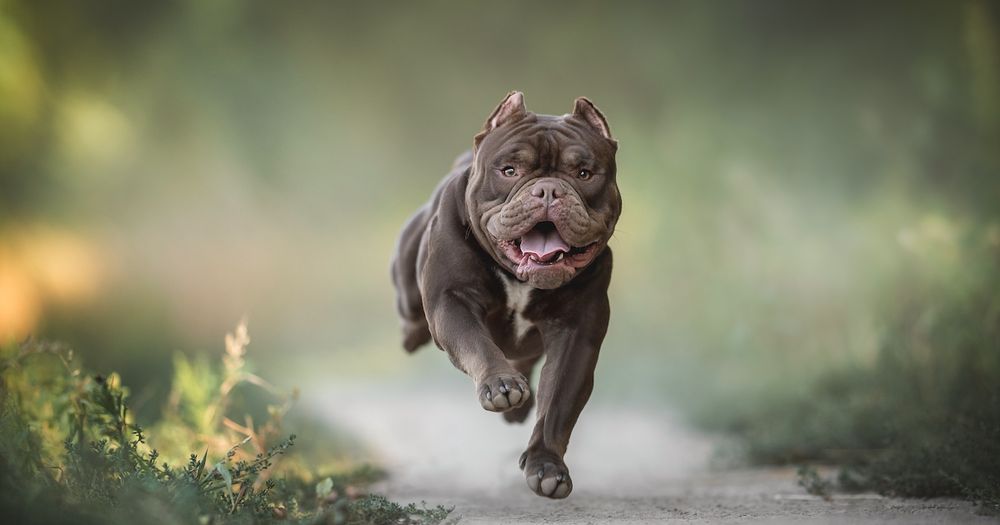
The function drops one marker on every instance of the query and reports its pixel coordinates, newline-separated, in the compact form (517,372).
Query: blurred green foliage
(70,452)
(922,420)
(808,251)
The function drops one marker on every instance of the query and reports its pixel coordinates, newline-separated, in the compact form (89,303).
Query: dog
(509,262)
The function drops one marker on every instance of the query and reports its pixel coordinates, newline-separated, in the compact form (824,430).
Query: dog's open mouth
(543,245)
(542,248)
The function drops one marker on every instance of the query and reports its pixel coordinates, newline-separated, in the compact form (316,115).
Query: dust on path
(628,465)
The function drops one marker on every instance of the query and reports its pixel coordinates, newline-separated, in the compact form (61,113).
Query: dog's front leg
(567,379)
(459,327)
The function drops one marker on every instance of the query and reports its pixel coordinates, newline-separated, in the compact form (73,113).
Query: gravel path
(628,466)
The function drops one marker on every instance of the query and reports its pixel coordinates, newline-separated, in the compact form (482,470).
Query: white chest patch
(518,297)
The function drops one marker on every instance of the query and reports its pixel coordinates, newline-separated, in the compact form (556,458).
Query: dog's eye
(584,174)
(508,171)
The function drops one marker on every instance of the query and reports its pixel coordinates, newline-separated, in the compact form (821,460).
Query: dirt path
(628,466)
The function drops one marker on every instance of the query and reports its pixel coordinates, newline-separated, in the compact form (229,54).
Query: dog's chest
(518,298)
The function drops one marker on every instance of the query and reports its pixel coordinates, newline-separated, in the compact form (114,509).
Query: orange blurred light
(40,266)
(65,266)
(20,303)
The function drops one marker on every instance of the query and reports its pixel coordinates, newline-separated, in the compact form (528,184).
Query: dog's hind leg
(404,277)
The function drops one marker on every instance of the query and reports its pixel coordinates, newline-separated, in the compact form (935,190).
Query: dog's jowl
(509,263)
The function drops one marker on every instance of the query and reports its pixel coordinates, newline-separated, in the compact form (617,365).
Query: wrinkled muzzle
(548,232)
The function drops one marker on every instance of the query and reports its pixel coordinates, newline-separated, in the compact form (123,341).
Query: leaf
(201,466)
(227,477)
(324,488)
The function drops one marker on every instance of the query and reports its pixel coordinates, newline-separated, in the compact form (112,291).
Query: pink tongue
(543,243)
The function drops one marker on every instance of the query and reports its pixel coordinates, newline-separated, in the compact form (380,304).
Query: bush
(924,419)
(70,452)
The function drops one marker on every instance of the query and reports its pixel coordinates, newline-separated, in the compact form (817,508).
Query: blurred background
(810,231)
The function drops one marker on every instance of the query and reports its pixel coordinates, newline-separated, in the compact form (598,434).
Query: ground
(630,464)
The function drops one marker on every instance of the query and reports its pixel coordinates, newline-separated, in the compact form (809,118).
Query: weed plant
(71,452)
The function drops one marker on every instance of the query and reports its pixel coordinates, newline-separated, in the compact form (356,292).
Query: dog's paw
(519,414)
(502,392)
(415,335)
(546,475)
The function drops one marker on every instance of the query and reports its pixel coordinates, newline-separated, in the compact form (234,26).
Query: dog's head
(542,195)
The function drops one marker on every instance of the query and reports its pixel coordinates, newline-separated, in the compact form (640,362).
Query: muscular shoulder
(450,255)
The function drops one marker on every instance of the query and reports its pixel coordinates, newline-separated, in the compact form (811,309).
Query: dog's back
(409,303)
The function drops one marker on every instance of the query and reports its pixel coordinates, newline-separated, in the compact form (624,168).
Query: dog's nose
(547,191)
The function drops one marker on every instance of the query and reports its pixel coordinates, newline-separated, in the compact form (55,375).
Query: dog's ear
(509,110)
(586,110)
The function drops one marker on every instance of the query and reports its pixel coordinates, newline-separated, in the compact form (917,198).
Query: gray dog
(508,263)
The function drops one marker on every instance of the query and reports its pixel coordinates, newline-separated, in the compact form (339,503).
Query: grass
(71,452)
(922,419)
